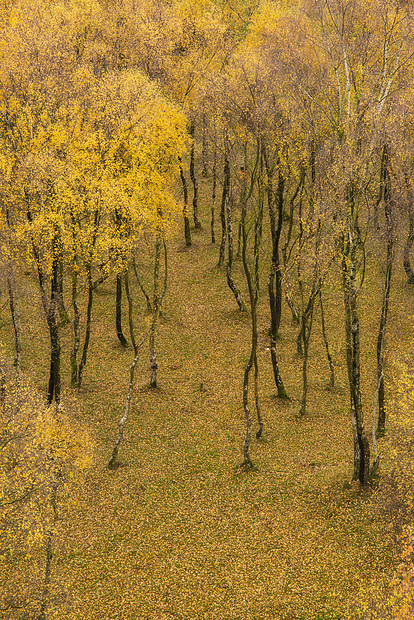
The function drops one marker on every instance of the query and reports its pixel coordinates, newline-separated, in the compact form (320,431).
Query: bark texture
(187,231)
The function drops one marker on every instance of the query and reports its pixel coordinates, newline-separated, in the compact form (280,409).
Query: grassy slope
(180,532)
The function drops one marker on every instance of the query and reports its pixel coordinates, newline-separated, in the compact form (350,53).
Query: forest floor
(180,530)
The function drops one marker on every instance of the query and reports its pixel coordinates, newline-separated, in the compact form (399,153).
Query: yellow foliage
(42,452)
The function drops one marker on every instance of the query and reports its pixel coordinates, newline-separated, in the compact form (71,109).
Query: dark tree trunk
(76,330)
(204,151)
(15,314)
(53,392)
(349,267)
(253,287)
(408,245)
(155,314)
(275,276)
(285,249)
(118,312)
(325,339)
(386,292)
(77,370)
(224,198)
(187,232)
(193,178)
(230,280)
(88,325)
(306,329)
(213,196)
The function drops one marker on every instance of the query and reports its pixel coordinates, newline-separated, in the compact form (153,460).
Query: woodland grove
(207,215)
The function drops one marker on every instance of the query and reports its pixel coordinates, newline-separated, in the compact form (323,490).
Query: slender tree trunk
(77,371)
(141,286)
(187,231)
(361,445)
(165,283)
(275,275)
(386,294)
(299,339)
(2,386)
(407,249)
(63,313)
(292,307)
(118,312)
(253,287)
(307,320)
(156,308)
(213,196)
(113,463)
(193,178)
(274,286)
(54,373)
(88,325)
(285,253)
(230,280)
(53,325)
(76,330)
(325,339)
(49,558)
(204,151)
(224,198)
(243,193)
(15,314)
(14,303)
(259,432)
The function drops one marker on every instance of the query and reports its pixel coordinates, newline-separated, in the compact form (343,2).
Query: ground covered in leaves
(179,530)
